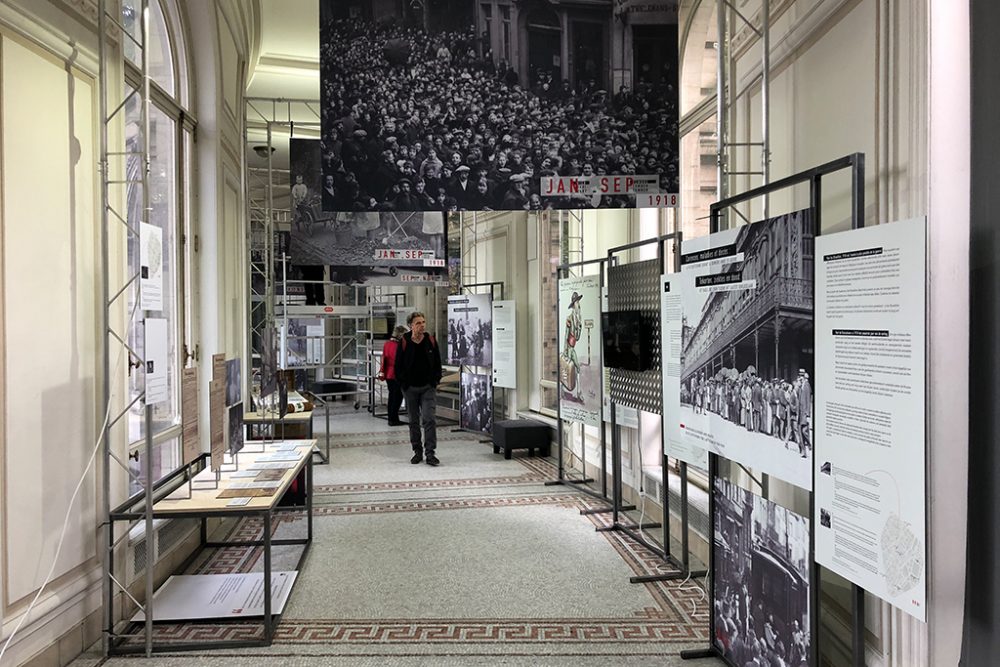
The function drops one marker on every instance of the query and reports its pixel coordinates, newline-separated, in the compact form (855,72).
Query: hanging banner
(761,577)
(447,106)
(505,344)
(150,267)
(470,330)
(747,371)
(671,309)
(580,349)
(386,245)
(870,502)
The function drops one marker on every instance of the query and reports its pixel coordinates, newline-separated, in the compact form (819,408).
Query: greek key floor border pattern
(678,615)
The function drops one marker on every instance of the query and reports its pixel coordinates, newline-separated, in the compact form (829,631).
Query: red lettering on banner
(629,184)
(549,191)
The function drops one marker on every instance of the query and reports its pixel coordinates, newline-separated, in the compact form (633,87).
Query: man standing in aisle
(418,370)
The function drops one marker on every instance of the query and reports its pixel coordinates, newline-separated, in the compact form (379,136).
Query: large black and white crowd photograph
(751,386)
(476,413)
(460,105)
(470,330)
(761,605)
(323,233)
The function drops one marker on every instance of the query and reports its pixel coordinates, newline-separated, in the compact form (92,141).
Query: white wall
(50,377)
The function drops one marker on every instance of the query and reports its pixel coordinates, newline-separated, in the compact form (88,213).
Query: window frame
(184,138)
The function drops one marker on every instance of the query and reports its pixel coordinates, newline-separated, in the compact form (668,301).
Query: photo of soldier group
(476,413)
(470,330)
(779,408)
(459,105)
(761,605)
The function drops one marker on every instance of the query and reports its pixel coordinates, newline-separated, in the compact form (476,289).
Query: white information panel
(671,311)
(504,344)
(150,267)
(196,596)
(157,338)
(871,300)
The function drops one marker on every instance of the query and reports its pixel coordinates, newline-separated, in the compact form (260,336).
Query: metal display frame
(110,37)
(563,271)
(665,552)
(506,396)
(127,512)
(814,178)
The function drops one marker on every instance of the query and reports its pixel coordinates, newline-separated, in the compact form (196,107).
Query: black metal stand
(118,642)
(813,177)
(683,564)
(563,478)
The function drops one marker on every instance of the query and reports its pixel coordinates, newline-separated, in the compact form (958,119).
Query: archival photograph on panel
(326,231)
(580,349)
(470,330)
(476,413)
(761,608)
(234,382)
(303,341)
(236,428)
(747,352)
(268,361)
(461,105)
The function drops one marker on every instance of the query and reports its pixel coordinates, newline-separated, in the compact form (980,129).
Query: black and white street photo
(236,427)
(234,382)
(476,413)
(749,390)
(460,105)
(470,330)
(761,607)
(352,237)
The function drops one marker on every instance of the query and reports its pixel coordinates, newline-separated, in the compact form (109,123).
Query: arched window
(699,143)
(171,139)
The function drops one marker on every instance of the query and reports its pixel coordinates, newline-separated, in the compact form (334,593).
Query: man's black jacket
(405,358)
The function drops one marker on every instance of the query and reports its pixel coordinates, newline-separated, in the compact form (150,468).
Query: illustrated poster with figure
(579,368)
(747,351)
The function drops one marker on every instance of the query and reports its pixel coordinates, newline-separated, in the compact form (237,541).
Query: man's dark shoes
(418,457)
(432,460)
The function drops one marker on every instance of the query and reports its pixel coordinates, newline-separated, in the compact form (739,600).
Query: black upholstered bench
(527,434)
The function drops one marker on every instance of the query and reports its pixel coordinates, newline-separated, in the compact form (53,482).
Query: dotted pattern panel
(636,286)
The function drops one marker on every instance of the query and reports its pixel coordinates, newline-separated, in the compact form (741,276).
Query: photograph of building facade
(769,328)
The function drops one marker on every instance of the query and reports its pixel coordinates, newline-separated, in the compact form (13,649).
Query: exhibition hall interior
(499,332)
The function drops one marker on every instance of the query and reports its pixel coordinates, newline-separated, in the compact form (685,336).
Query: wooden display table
(198,498)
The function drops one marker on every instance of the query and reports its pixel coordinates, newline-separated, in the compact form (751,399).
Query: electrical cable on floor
(72,502)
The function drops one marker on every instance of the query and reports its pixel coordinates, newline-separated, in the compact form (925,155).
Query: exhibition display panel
(255,491)
(867,511)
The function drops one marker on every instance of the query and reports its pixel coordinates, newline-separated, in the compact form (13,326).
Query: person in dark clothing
(418,370)
(388,373)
